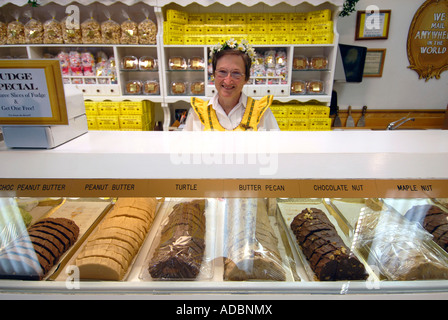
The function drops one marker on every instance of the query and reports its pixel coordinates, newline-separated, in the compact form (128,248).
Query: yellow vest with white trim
(251,118)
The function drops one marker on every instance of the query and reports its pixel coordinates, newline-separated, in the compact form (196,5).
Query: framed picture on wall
(372,25)
(374,63)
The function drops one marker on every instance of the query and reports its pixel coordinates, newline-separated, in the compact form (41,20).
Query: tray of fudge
(320,242)
(147,239)
(113,246)
(401,239)
(218,240)
(39,235)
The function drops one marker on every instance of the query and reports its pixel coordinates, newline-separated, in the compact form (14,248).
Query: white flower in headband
(244,47)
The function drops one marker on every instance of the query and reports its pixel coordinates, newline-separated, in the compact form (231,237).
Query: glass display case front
(224,245)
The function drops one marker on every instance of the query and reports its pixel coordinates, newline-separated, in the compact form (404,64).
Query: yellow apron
(251,118)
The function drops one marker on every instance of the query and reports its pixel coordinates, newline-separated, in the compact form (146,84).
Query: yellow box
(212,39)
(258,38)
(195,29)
(297,17)
(236,29)
(133,121)
(133,107)
(299,27)
(323,27)
(324,38)
(108,108)
(108,122)
(321,15)
(174,28)
(279,111)
(236,18)
(177,16)
(194,39)
(196,18)
(320,124)
(173,38)
(257,28)
(91,108)
(278,17)
(319,111)
(91,122)
(283,123)
(238,37)
(257,18)
(215,29)
(298,124)
(279,38)
(215,18)
(278,28)
(301,38)
(298,112)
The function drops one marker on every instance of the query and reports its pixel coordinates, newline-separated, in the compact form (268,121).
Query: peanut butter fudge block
(329,257)
(110,250)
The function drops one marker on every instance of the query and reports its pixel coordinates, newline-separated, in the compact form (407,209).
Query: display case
(367,184)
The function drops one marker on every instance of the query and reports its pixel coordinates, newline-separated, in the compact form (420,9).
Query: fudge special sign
(31,93)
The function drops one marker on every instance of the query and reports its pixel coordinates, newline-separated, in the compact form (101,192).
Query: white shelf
(162,52)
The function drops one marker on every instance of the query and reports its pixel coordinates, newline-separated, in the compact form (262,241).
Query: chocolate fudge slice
(329,257)
(180,251)
(32,255)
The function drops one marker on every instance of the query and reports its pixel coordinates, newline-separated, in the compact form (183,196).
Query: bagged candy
(88,67)
(71,33)
(16,31)
(110,31)
(64,61)
(91,31)
(3,32)
(75,66)
(53,31)
(129,31)
(34,30)
(147,31)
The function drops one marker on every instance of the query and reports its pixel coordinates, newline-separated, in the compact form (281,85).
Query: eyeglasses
(224,73)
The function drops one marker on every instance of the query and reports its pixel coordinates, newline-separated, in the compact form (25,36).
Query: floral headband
(244,47)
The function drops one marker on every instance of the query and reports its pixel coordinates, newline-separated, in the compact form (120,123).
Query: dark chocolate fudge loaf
(434,220)
(180,251)
(31,256)
(327,254)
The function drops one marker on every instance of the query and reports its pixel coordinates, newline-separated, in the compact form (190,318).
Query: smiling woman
(230,109)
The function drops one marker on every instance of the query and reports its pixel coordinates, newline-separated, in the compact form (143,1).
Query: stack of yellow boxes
(182,28)
(294,117)
(120,115)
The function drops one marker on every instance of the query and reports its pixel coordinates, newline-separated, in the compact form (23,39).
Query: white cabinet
(162,52)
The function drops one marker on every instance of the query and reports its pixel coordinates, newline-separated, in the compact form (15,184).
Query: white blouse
(231,120)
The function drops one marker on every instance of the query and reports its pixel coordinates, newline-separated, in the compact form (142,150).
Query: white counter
(237,155)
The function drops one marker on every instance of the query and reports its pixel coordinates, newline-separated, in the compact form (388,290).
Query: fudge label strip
(213,188)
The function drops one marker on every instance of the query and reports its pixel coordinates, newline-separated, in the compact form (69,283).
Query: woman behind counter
(230,109)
